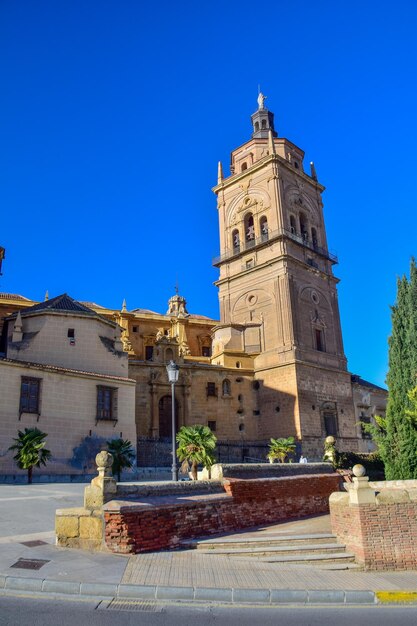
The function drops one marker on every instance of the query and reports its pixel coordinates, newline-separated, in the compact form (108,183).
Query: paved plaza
(27,532)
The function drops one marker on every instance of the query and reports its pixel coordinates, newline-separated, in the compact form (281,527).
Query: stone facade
(274,364)
(51,381)
(369,400)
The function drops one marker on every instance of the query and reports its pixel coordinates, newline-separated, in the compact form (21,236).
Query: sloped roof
(63,303)
(92,304)
(13,296)
(195,316)
(147,311)
(365,383)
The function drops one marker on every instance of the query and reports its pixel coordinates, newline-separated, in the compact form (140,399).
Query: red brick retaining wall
(141,526)
(382,536)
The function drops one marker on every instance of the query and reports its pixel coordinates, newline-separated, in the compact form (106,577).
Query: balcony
(272,236)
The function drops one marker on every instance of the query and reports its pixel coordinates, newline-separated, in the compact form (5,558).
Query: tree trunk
(194,466)
(30,470)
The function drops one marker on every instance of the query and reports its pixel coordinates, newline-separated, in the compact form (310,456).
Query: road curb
(227,595)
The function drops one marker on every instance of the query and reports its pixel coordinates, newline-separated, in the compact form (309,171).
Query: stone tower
(278,295)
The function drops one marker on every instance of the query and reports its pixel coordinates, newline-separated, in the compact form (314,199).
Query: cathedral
(273,365)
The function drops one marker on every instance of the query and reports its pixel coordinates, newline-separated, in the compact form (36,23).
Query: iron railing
(281,233)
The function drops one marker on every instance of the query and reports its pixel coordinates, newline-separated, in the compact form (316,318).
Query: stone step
(257,551)
(340,565)
(263,540)
(305,559)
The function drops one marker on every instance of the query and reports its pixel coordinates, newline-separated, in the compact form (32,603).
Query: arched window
(236,241)
(244,167)
(293,226)
(314,237)
(263,123)
(169,355)
(256,127)
(226,387)
(249,230)
(263,227)
(303,227)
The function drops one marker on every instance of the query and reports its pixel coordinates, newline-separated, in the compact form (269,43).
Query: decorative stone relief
(244,185)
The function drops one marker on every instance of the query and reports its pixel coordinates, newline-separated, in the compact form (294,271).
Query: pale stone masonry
(51,379)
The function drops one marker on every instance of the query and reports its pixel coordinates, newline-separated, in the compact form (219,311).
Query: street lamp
(173,372)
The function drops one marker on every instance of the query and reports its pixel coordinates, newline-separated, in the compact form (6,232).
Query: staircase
(320,550)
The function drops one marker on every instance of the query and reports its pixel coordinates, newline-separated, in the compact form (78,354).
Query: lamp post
(173,372)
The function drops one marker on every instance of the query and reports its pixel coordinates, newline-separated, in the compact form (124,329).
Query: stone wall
(380,528)
(132,527)
(268,470)
(68,410)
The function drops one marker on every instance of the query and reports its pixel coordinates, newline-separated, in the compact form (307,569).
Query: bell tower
(277,290)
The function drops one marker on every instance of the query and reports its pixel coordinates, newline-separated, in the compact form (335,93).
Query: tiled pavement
(189,568)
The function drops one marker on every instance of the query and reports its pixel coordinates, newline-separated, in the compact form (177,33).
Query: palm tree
(123,455)
(30,450)
(281,449)
(196,445)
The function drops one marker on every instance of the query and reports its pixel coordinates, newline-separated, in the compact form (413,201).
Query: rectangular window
(212,425)
(30,395)
(106,403)
(319,339)
(148,353)
(211,389)
(206,351)
(135,329)
(330,424)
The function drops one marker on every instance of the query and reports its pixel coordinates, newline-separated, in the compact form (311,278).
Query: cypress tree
(398,445)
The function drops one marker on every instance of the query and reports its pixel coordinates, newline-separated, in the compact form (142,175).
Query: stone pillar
(103,487)
(154,411)
(84,527)
(360,492)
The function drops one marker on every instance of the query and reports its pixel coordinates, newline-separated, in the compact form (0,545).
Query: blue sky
(114,114)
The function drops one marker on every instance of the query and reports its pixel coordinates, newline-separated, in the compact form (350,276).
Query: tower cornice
(266,160)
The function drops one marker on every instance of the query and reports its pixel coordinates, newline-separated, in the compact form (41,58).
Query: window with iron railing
(106,403)
(30,395)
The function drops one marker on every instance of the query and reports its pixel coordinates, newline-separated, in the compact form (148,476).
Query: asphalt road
(44,611)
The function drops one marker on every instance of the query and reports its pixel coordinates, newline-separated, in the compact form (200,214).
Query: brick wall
(381,535)
(132,528)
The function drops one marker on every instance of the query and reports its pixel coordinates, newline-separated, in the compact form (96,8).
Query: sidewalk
(188,575)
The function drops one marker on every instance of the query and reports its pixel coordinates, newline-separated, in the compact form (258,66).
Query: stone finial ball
(104,459)
(330,439)
(358,470)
